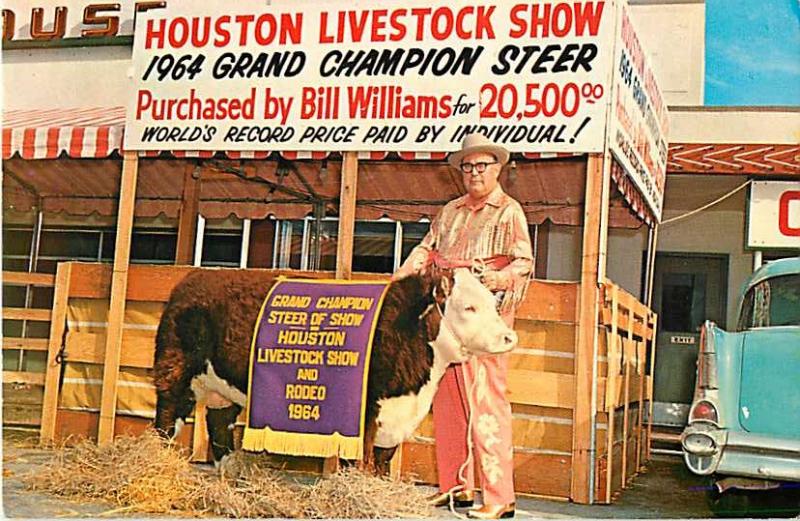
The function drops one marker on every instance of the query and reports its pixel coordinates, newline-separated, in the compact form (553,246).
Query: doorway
(689,289)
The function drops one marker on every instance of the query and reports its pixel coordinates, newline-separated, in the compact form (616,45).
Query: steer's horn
(444,284)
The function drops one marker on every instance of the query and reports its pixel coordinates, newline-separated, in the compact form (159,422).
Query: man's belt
(478,266)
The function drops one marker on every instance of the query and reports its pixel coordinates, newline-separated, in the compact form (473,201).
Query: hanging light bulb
(512,173)
(323,171)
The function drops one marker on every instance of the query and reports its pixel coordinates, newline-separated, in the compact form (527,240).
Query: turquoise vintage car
(744,422)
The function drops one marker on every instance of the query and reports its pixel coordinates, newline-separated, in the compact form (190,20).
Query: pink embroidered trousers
(492,440)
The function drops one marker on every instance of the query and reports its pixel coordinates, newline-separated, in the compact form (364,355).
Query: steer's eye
(471,309)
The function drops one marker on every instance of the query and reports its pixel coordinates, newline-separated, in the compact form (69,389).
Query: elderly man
(486,230)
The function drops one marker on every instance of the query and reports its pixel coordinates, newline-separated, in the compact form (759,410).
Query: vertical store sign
(416,75)
(773,219)
(53,20)
(637,134)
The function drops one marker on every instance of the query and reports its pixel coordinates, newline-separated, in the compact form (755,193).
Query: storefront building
(713,234)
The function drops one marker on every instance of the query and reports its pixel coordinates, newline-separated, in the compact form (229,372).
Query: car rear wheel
(780,502)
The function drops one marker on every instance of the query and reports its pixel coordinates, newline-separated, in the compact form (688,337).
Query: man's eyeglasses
(467,168)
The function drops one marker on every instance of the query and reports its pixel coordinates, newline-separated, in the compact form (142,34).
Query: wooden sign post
(119,287)
(347,216)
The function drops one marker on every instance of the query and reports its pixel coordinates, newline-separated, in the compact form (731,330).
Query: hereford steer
(427,322)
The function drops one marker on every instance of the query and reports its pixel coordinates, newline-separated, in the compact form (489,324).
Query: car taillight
(706,361)
(704,411)
(701,369)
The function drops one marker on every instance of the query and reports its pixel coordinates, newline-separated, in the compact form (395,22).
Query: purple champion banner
(309,360)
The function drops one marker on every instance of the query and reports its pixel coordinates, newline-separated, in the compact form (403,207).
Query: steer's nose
(510,340)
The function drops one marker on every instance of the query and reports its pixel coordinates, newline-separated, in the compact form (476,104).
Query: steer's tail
(185,341)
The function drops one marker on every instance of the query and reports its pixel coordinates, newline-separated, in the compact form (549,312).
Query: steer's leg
(175,399)
(172,411)
(368,461)
(221,422)
(383,458)
(165,415)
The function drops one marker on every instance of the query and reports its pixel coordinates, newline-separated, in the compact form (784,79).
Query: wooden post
(641,349)
(396,464)
(36,237)
(583,415)
(611,386)
(52,376)
(542,247)
(119,287)
(344,246)
(654,319)
(187,219)
(347,216)
(627,348)
(200,433)
(605,194)
(184,255)
(651,267)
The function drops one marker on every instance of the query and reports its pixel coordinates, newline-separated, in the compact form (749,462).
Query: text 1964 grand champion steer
(427,322)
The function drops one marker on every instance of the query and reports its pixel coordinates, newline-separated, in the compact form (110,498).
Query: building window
(288,245)
(683,301)
(377,245)
(222,248)
(413,233)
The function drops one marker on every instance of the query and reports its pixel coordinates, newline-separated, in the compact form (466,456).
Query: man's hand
(495,280)
(403,272)
(398,275)
(415,263)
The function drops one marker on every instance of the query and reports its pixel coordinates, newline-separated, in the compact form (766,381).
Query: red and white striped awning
(631,193)
(45,134)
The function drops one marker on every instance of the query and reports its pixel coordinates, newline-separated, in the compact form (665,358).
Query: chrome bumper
(708,449)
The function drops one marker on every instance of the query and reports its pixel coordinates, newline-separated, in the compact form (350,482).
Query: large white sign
(639,121)
(348,75)
(774,215)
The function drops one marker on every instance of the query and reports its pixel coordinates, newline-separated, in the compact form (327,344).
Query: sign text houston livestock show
(336,76)
(550,76)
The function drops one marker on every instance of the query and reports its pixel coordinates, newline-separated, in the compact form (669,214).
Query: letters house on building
(316,141)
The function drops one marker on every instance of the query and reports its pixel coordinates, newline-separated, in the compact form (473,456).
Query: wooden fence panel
(17,407)
(541,376)
(630,332)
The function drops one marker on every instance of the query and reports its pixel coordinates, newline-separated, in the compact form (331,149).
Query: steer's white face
(471,314)
(471,325)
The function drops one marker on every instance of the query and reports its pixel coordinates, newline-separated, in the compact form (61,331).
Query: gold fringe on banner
(303,444)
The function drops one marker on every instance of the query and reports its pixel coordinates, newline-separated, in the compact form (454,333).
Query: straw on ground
(149,474)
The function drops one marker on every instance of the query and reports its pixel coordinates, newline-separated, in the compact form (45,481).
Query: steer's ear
(444,286)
